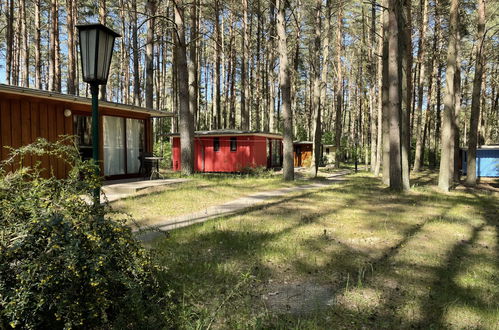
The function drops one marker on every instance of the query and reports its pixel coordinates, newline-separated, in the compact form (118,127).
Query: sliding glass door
(114,145)
(134,144)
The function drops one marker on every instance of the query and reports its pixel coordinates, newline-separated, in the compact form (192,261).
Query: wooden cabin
(125,131)
(231,151)
(302,153)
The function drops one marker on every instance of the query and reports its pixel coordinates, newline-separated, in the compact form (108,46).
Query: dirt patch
(298,297)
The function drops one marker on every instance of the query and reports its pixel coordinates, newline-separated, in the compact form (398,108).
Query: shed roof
(232,132)
(78,99)
(485,147)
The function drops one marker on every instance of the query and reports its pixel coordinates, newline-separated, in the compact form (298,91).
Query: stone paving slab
(164,224)
(117,191)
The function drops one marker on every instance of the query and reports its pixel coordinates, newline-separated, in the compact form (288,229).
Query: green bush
(65,263)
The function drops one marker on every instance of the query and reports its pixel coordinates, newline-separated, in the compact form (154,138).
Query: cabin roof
(79,99)
(232,132)
(485,147)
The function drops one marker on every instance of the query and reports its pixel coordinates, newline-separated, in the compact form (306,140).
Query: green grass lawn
(202,191)
(347,256)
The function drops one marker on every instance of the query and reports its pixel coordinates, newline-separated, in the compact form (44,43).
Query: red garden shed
(231,150)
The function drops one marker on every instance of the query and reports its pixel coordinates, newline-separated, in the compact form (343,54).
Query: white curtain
(114,145)
(133,144)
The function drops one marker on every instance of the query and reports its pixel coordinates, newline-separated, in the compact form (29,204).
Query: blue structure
(487,161)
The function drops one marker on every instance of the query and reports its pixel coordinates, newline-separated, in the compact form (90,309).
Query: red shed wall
(251,152)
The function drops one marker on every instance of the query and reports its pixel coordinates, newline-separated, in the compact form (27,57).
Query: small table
(155,165)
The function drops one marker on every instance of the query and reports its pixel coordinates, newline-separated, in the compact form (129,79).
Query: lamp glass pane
(110,44)
(92,39)
(101,66)
(84,53)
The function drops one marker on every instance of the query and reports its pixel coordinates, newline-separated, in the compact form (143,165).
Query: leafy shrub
(164,149)
(65,263)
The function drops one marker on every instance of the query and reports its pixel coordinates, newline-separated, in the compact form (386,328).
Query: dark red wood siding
(251,151)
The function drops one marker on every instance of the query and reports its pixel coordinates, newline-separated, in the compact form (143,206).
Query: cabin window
(327,151)
(82,126)
(216,144)
(233,144)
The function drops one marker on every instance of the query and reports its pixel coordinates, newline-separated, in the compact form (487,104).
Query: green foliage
(327,137)
(63,262)
(164,149)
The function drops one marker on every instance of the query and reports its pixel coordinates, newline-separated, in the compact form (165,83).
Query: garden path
(164,224)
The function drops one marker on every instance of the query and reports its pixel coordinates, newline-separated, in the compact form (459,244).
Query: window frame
(233,144)
(216,144)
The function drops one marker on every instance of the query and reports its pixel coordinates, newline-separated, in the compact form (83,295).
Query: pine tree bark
(71,82)
(379,144)
(186,120)
(471,176)
(405,74)
(193,63)
(372,89)
(385,97)
(149,81)
(218,54)
(38,63)
(102,20)
(316,105)
(24,51)
(339,87)
(418,157)
(9,39)
(394,96)
(446,173)
(53,45)
(285,84)
(244,88)
(135,52)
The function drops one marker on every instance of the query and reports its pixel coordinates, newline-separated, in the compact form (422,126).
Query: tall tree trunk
(52,45)
(186,120)
(24,48)
(70,8)
(316,108)
(457,111)
(149,83)
(339,86)
(135,51)
(285,84)
(446,174)
(418,157)
(372,89)
(193,63)
(471,176)
(245,56)
(9,40)
(379,145)
(385,96)
(102,20)
(394,96)
(405,50)
(218,54)
(38,63)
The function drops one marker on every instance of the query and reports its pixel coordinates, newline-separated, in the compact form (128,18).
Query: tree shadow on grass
(210,258)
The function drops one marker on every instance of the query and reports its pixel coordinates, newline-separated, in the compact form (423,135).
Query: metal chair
(146,166)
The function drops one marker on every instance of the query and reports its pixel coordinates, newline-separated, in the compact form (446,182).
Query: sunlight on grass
(365,257)
(203,191)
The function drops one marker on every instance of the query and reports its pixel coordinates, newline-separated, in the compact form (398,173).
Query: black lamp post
(96,51)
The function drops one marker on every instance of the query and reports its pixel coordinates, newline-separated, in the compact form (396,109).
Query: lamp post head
(96,51)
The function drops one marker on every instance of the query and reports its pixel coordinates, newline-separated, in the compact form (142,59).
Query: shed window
(216,144)
(233,144)
(327,151)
